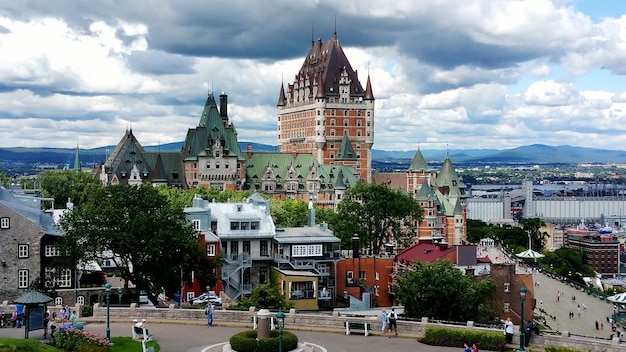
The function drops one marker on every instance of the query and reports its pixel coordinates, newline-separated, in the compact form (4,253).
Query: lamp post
(107,289)
(522,298)
(280,317)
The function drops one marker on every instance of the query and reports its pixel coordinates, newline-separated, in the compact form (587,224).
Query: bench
(141,333)
(355,326)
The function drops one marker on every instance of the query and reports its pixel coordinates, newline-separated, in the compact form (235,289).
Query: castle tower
(326,102)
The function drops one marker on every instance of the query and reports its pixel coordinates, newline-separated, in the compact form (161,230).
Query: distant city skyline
(469,75)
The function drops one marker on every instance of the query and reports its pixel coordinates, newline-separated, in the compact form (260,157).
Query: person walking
(208,310)
(392,322)
(383,320)
(527,332)
(474,348)
(19,310)
(466,348)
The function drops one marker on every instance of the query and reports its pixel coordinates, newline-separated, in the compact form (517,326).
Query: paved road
(198,338)
(584,324)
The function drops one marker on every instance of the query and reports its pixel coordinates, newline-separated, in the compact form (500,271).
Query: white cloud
(441,71)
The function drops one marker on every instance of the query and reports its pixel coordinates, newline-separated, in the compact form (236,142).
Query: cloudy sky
(462,74)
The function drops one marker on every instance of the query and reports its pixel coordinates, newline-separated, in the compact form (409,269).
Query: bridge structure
(609,210)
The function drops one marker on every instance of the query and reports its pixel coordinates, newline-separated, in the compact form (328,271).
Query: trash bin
(177,297)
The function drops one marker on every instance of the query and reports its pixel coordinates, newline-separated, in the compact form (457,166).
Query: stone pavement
(196,337)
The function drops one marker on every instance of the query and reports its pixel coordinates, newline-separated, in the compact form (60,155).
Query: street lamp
(522,298)
(280,316)
(107,289)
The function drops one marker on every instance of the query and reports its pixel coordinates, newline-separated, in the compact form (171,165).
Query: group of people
(17,316)
(389,320)
(52,321)
(467,348)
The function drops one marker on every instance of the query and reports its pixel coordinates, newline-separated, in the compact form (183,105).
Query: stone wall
(333,323)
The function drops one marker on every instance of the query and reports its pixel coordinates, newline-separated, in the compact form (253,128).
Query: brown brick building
(326,102)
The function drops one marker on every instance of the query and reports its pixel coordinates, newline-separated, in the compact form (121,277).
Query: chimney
(249,150)
(223,106)
(355,246)
(311,214)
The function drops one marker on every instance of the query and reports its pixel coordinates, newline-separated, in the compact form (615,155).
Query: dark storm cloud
(279,30)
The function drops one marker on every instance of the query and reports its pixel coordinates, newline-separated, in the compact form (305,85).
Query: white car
(206,298)
(143,297)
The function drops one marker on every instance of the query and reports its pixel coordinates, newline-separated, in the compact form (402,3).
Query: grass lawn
(120,344)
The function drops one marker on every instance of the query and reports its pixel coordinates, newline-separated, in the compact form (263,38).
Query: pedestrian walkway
(197,337)
(571,300)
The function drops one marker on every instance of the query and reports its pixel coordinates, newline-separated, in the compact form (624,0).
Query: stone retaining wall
(335,323)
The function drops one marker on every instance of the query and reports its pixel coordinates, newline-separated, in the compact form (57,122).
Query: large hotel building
(326,111)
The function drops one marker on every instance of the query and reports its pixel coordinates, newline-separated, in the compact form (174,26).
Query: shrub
(246,341)
(86,311)
(485,340)
(73,340)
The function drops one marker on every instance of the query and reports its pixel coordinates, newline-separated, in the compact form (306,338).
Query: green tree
(289,213)
(438,290)
(274,299)
(568,263)
(532,228)
(148,238)
(64,185)
(377,215)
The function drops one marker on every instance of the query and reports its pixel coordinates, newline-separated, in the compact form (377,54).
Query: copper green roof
(77,160)
(345,152)
(33,298)
(418,163)
(447,177)
(303,167)
(210,129)
(425,193)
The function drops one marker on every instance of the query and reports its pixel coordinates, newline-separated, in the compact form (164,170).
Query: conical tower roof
(345,152)
(418,163)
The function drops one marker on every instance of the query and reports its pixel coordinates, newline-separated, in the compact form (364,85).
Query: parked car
(207,297)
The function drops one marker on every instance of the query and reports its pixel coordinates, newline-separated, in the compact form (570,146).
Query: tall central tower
(326,111)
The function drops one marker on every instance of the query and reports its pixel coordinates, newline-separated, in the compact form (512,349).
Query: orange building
(441,194)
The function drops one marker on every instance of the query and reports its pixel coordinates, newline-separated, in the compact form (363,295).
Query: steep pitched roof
(345,152)
(418,163)
(369,95)
(127,153)
(282,99)
(210,129)
(280,163)
(328,60)
(447,176)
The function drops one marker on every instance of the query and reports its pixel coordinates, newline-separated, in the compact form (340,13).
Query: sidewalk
(194,336)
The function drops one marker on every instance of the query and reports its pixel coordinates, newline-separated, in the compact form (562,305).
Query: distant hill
(531,154)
